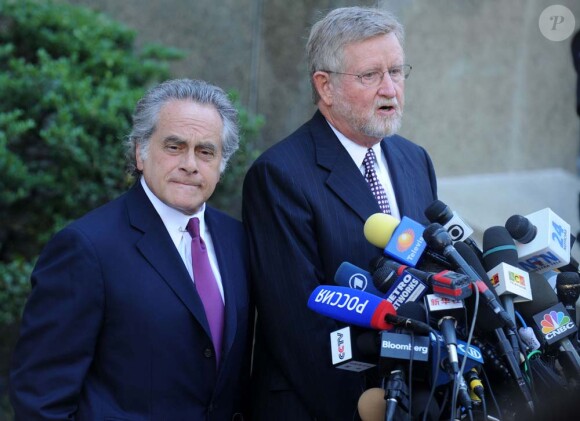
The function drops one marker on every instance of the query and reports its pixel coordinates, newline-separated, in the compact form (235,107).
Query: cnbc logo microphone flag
(555,323)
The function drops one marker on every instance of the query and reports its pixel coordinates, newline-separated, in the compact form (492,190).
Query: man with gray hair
(141,309)
(306,200)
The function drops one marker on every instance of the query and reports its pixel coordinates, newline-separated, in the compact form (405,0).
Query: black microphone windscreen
(498,247)
(543,296)
(567,279)
(438,211)
(521,229)
(568,287)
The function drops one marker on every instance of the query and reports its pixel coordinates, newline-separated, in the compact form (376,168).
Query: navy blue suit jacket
(114,328)
(305,205)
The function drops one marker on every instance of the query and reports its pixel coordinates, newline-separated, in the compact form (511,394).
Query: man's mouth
(387,107)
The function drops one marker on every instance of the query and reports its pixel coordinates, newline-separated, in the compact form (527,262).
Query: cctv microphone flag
(347,353)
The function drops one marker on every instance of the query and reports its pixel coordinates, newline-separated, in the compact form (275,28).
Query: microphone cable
(491,394)
(435,375)
(456,383)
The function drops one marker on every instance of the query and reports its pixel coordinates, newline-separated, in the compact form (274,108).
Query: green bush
(69,80)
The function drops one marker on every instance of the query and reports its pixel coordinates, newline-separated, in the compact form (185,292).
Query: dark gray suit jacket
(305,205)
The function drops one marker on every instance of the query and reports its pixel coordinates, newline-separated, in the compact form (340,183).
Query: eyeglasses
(374,78)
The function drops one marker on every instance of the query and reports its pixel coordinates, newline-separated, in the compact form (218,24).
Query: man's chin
(384,131)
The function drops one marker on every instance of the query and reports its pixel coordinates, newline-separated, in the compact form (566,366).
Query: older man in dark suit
(307,198)
(140,310)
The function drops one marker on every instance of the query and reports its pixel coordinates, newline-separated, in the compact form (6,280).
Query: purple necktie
(374,183)
(207,287)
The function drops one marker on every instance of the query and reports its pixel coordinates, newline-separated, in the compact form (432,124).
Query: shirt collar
(174,220)
(356,151)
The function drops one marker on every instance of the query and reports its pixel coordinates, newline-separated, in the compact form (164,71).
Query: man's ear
(323,86)
(138,160)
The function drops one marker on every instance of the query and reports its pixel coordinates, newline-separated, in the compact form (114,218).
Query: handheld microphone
(457,228)
(353,307)
(445,283)
(472,354)
(568,291)
(349,275)
(354,351)
(372,405)
(438,239)
(500,259)
(401,284)
(401,240)
(486,319)
(543,240)
(448,312)
(552,322)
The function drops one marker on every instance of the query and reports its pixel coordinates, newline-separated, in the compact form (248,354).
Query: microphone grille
(438,211)
(498,247)
(568,280)
(521,229)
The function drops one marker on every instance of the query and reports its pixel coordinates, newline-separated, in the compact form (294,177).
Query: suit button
(208,353)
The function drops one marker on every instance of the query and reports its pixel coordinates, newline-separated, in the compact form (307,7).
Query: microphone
(399,282)
(500,259)
(552,322)
(397,288)
(450,312)
(398,346)
(352,307)
(354,351)
(445,283)
(568,291)
(402,240)
(543,240)
(486,319)
(349,275)
(397,393)
(457,228)
(372,405)
(438,239)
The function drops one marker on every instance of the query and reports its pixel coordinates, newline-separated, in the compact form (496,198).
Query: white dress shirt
(175,223)
(357,153)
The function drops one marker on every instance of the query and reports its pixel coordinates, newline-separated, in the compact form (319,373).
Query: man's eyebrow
(173,139)
(208,145)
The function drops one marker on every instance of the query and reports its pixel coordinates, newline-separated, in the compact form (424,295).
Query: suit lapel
(158,249)
(402,178)
(344,178)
